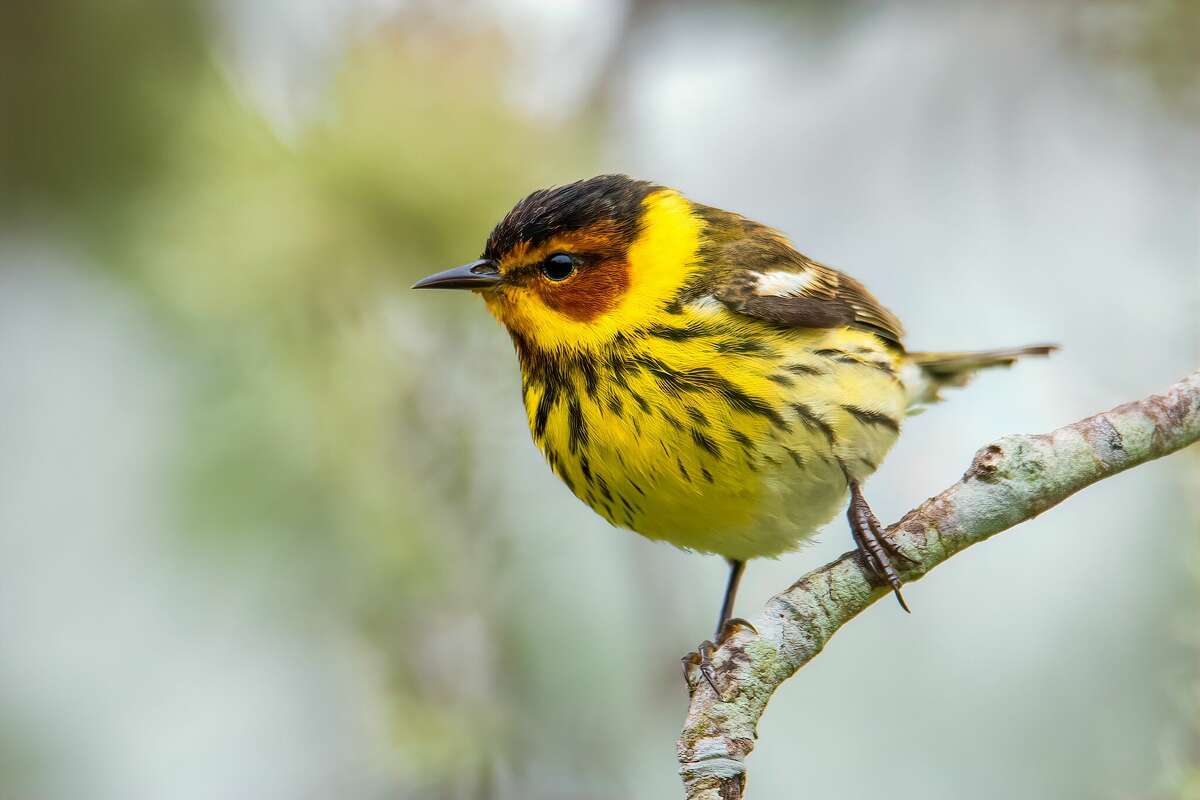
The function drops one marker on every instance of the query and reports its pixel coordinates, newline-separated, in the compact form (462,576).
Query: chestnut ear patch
(602,276)
(594,290)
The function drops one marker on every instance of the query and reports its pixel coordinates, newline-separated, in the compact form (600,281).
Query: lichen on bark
(1009,481)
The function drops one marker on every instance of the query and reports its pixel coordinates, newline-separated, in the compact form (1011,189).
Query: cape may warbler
(692,377)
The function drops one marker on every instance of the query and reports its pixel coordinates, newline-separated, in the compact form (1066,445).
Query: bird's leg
(876,550)
(727,625)
(736,568)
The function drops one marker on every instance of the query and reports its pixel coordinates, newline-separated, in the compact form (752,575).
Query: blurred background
(271,526)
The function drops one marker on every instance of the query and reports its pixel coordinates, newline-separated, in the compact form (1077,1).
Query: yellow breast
(716,432)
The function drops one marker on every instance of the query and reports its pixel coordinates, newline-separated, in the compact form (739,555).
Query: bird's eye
(558,267)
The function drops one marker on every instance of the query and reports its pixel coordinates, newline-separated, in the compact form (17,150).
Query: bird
(693,377)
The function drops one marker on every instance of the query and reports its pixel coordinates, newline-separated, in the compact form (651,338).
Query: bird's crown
(574,266)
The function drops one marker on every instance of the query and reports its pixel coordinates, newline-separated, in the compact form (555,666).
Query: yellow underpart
(660,260)
(737,500)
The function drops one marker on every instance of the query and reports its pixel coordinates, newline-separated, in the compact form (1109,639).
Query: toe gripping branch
(875,548)
(702,656)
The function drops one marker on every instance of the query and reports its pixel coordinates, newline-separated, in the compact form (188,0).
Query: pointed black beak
(477,275)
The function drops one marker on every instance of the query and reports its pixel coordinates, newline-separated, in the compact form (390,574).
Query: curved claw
(876,549)
(707,649)
(731,626)
(702,658)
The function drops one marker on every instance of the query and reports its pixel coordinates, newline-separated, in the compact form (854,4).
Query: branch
(1009,481)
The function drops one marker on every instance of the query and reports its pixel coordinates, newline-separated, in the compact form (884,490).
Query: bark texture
(1009,481)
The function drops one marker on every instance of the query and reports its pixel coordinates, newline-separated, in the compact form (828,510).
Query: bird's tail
(929,373)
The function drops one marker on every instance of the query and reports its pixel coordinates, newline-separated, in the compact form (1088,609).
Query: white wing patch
(781,283)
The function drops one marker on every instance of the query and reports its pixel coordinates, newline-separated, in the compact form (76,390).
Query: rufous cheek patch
(593,291)
(599,285)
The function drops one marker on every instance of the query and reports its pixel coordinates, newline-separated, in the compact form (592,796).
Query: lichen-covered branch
(1009,481)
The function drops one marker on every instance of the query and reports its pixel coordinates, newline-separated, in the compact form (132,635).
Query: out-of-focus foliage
(280,263)
(272,266)
(89,96)
(1159,38)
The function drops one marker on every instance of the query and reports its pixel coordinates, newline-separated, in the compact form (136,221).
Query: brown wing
(768,279)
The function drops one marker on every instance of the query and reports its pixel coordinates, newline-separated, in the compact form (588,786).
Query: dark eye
(558,267)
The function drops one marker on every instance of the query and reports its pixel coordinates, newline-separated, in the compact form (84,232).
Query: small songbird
(692,377)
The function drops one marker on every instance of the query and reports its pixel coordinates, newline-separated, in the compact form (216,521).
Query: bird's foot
(702,657)
(877,551)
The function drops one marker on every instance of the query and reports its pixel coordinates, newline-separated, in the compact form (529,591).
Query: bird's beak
(477,275)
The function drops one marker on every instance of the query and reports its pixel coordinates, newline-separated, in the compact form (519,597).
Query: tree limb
(1012,480)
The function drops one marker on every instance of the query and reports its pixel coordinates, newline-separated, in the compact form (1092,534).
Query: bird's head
(574,266)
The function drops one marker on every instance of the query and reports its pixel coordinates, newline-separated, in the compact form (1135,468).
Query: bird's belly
(745,461)
(754,502)
(753,514)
